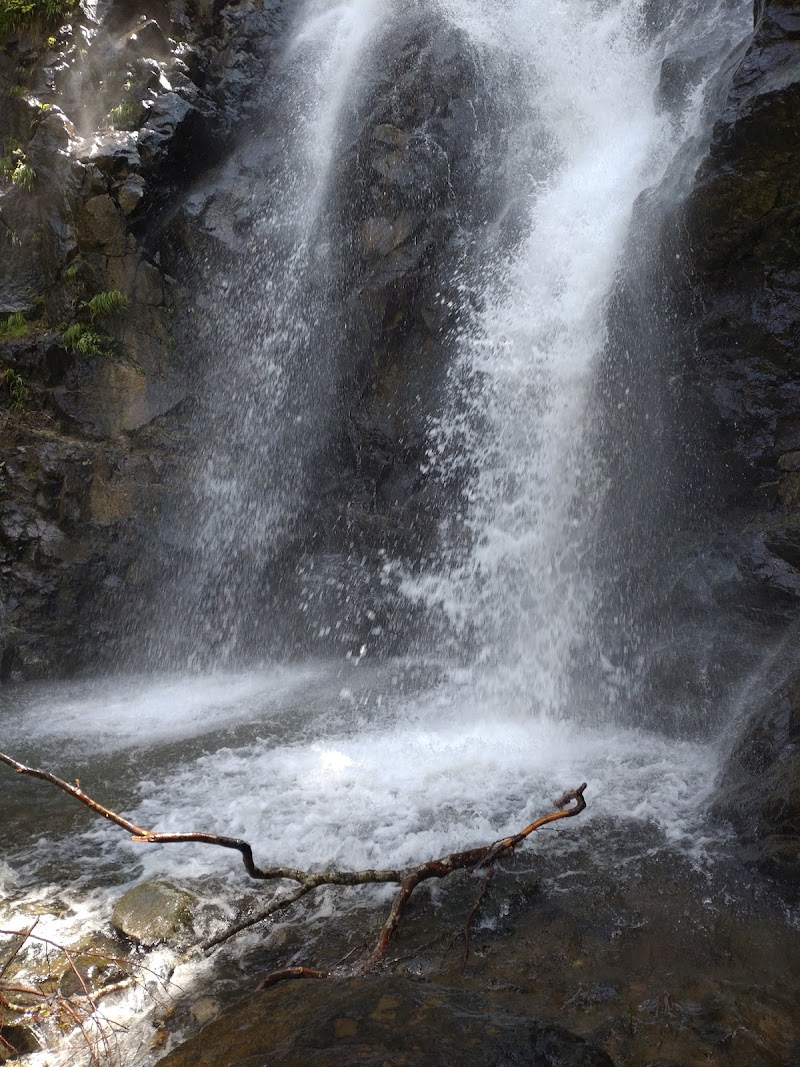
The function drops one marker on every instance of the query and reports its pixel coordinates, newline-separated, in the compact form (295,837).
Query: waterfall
(379,759)
(510,584)
(590,134)
(263,319)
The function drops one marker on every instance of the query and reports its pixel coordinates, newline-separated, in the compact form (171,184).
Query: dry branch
(482,858)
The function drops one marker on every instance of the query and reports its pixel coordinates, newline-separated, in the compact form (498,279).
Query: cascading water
(265,394)
(518,581)
(387,761)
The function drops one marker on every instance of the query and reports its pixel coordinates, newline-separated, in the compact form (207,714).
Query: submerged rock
(153,912)
(376,1021)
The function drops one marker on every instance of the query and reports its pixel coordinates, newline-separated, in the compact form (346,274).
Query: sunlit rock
(153,912)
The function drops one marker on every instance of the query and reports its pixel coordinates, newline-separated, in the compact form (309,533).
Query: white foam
(371,777)
(414,777)
(118,713)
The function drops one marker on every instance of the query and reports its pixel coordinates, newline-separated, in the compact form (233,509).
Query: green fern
(108,303)
(14,326)
(81,339)
(15,387)
(26,14)
(23,175)
(122,115)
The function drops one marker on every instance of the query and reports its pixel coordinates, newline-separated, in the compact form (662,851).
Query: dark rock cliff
(104,125)
(743,221)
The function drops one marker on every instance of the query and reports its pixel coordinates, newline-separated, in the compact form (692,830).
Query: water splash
(516,586)
(267,394)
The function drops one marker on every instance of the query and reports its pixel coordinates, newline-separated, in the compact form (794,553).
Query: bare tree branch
(482,858)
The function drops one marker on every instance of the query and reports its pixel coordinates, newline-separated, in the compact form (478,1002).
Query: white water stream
(386,763)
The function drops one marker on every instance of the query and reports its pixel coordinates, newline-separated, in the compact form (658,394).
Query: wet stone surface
(380,1020)
(652,962)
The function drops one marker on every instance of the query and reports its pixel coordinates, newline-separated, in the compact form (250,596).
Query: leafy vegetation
(15,166)
(122,115)
(23,175)
(80,338)
(14,326)
(15,387)
(24,14)
(108,303)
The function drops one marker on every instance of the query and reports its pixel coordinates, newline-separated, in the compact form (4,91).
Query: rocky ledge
(376,1021)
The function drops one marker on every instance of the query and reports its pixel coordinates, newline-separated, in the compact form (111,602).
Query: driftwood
(482,858)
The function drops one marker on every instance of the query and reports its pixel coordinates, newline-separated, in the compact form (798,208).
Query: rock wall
(743,225)
(403,200)
(105,123)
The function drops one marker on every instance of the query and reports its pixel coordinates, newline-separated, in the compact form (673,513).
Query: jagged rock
(101,228)
(153,912)
(169,125)
(109,397)
(114,152)
(743,224)
(131,193)
(742,221)
(148,39)
(95,427)
(376,1021)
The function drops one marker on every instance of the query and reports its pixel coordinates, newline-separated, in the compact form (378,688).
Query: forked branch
(482,858)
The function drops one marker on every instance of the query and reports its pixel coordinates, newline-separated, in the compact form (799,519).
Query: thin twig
(476,908)
(288,973)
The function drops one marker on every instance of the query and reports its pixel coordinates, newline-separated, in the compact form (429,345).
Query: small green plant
(17,92)
(122,115)
(81,339)
(23,175)
(15,166)
(28,14)
(15,387)
(14,326)
(7,165)
(108,303)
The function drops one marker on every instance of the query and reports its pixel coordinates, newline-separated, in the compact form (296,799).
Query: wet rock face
(743,226)
(759,787)
(374,1021)
(410,204)
(391,240)
(113,116)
